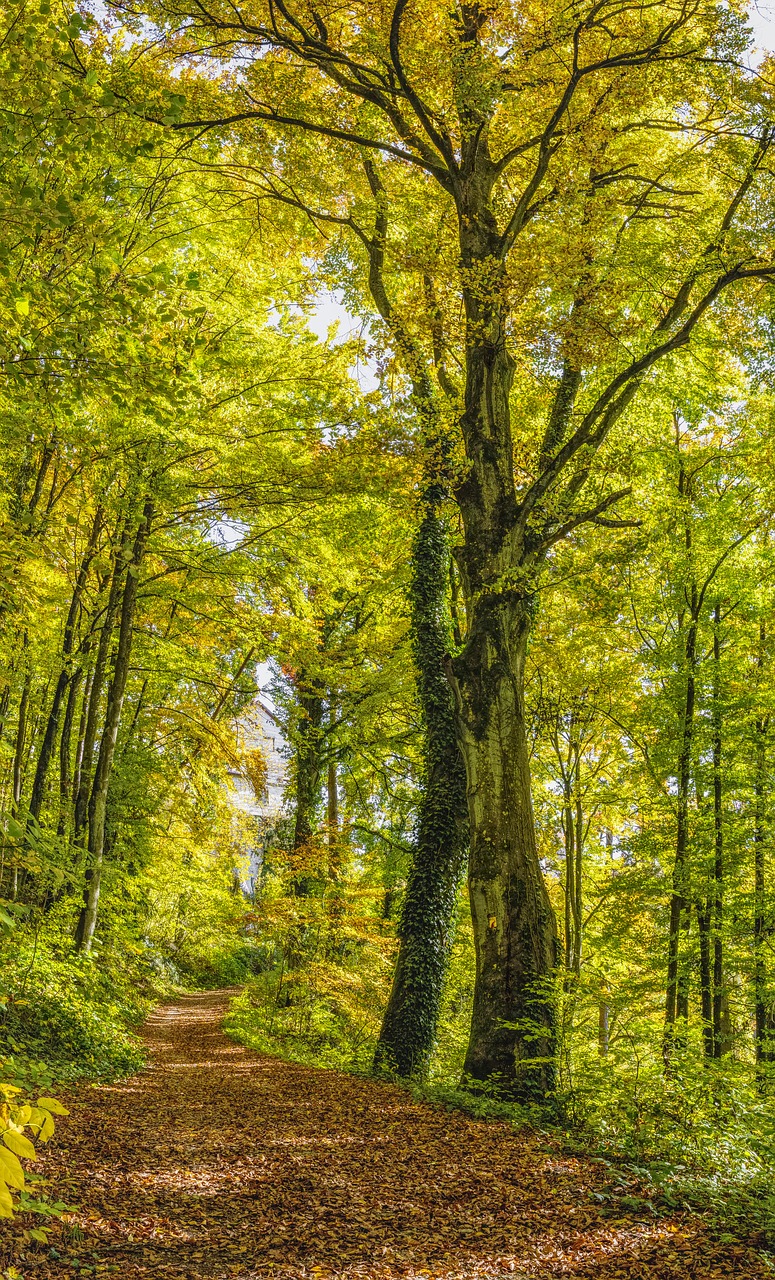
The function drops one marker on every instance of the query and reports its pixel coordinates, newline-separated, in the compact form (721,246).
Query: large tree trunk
(426,928)
(512,1029)
(427,919)
(512,1026)
(99,797)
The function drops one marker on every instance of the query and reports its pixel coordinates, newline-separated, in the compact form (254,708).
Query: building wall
(258,730)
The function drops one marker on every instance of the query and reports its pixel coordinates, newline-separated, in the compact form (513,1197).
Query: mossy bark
(511,1044)
(427,919)
(512,1029)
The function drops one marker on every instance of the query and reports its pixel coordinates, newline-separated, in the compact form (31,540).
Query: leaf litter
(215,1162)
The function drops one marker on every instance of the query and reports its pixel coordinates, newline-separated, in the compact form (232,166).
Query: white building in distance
(258,729)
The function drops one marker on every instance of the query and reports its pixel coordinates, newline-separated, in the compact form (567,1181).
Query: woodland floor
(216,1162)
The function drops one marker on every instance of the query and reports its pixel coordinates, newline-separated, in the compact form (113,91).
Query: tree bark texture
(308,761)
(719,1045)
(60,689)
(512,1039)
(512,1030)
(426,929)
(764,1021)
(65,751)
(99,795)
(93,692)
(676,989)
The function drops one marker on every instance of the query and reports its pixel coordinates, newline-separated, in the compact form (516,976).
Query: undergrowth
(76,1016)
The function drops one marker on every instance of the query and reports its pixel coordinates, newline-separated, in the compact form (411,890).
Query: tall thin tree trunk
(19,745)
(332,805)
(578,878)
(706,977)
(676,994)
(308,768)
(570,876)
(684,981)
(603,1028)
(5,702)
(65,753)
(333,833)
(678,895)
(719,1047)
(18,766)
(765,1049)
(99,796)
(95,687)
(80,740)
(49,737)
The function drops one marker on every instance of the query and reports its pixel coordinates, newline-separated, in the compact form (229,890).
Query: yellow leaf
(51,1104)
(10,1169)
(6,1203)
(19,1144)
(23,306)
(38,1118)
(22,1114)
(46,1129)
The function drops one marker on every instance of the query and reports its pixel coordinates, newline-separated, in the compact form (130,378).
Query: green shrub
(74,1013)
(327,1013)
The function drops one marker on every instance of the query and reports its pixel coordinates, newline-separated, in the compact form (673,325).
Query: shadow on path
(215,1162)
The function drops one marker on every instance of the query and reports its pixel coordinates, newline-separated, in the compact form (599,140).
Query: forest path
(216,1162)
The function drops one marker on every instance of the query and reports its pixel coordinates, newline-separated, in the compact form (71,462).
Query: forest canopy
(491,556)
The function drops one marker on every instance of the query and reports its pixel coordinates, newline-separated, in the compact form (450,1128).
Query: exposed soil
(216,1162)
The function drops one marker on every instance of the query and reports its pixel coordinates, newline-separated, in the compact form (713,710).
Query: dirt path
(215,1162)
